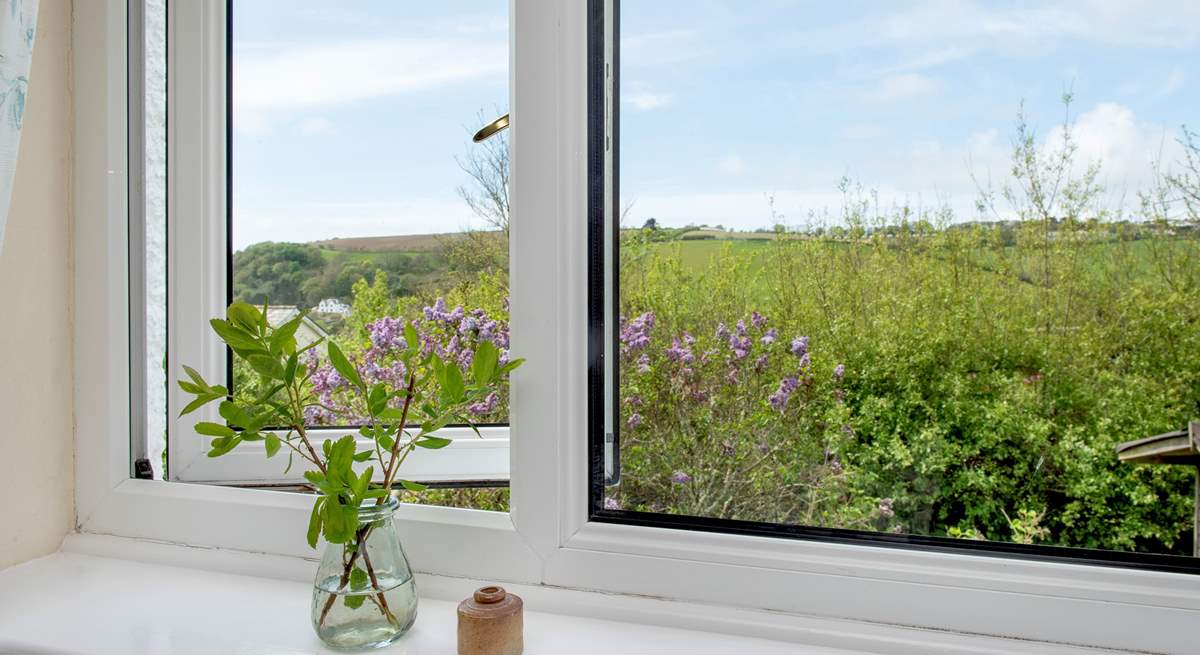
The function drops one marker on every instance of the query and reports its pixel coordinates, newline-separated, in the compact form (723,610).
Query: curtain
(17,20)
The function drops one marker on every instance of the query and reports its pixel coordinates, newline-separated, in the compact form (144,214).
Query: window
(354,195)
(564,173)
(893,278)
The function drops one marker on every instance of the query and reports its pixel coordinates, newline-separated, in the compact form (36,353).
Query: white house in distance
(308,331)
(332,306)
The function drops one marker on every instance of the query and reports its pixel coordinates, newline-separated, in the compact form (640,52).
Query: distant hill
(397,243)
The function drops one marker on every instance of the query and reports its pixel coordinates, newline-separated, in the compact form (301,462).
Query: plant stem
(393,462)
(360,540)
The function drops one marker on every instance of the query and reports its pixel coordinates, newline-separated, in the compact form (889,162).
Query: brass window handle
(491,129)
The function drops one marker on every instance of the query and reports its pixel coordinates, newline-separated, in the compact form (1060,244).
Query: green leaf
(387,441)
(199,402)
(210,429)
(411,338)
(195,376)
(391,414)
(413,486)
(452,385)
(272,443)
(483,365)
(343,366)
(359,579)
(364,456)
(314,523)
(354,602)
(245,316)
(222,445)
(340,522)
(375,493)
(361,484)
(377,400)
(289,370)
(433,443)
(191,388)
(266,365)
(230,411)
(285,333)
(236,337)
(511,365)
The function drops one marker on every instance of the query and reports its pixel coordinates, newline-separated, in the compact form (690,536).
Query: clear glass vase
(364,596)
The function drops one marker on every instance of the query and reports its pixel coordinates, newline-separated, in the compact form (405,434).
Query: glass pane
(916,268)
(357,194)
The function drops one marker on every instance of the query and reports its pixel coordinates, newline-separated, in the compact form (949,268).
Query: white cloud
(1111,135)
(313,76)
(732,164)
(903,86)
(643,99)
(1174,82)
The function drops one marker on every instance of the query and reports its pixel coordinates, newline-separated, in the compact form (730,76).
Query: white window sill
(93,598)
(81,604)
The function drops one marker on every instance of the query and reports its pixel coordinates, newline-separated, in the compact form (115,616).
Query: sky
(348,117)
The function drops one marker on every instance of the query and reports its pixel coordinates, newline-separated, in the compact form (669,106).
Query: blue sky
(348,116)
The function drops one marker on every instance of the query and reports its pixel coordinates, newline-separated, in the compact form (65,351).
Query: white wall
(36,425)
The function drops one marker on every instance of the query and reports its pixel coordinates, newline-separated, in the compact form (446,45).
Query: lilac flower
(643,363)
(679,477)
(699,395)
(678,352)
(611,503)
(485,406)
(885,508)
(732,376)
(779,399)
(634,401)
(722,332)
(799,346)
(835,467)
(657,507)
(635,333)
(839,395)
(760,364)
(740,328)
(839,372)
(769,338)
(805,360)
(758,320)
(634,420)
(741,346)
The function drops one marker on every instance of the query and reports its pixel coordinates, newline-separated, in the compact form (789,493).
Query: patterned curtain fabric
(17,20)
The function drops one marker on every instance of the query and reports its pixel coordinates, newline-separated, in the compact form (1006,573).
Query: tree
(275,271)
(650,224)
(486,194)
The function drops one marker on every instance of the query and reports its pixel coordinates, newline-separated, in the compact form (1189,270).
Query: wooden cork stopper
(490,623)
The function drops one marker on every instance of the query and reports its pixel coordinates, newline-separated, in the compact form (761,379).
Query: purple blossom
(722,332)
(835,467)
(732,376)
(769,338)
(635,333)
(805,360)
(799,346)
(741,346)
(678,352)
(634,420)
(779,399)
(758,320)
(679,477)
(485,406)
(634,401)
(643,363)
(611,503)
(760,364)
(740,328)
(839,372)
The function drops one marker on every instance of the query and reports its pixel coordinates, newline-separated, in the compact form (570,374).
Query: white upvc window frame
(197,242)
(547,538)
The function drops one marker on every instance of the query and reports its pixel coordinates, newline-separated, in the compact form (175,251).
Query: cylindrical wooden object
(490,623)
